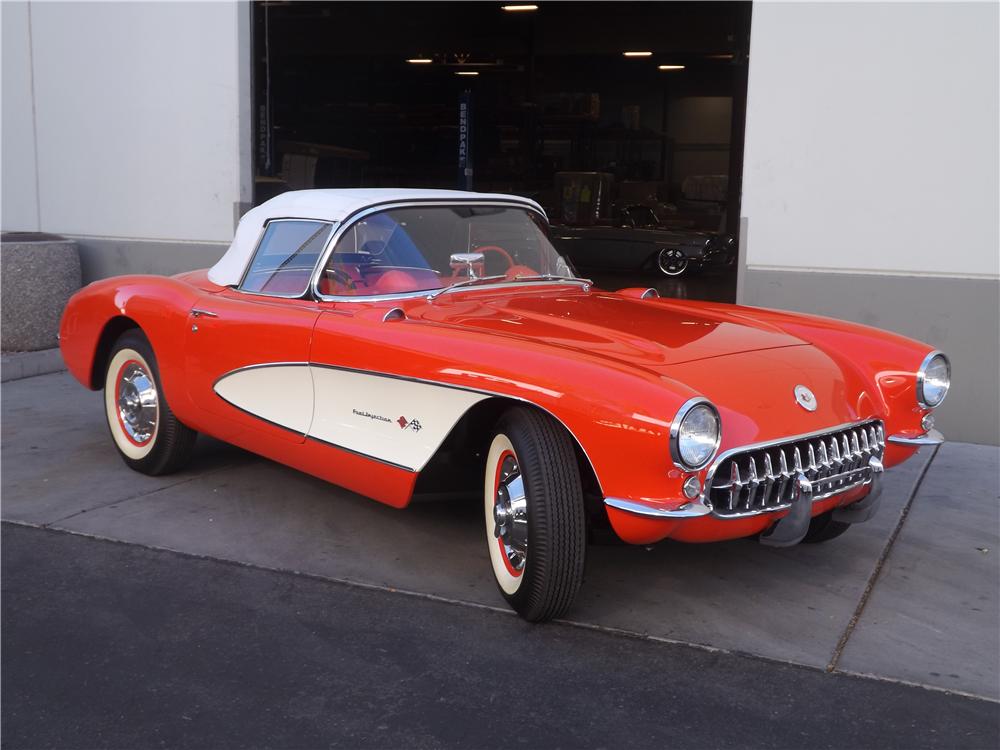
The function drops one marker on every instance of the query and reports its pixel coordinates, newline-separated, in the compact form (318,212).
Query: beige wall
(871,141)
(141,118)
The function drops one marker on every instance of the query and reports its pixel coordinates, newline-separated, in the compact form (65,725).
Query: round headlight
(933,380)
(695,434)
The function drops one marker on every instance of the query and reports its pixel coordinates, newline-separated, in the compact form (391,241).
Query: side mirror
(472,264)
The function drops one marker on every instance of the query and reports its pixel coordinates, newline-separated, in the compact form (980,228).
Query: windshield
(431,248)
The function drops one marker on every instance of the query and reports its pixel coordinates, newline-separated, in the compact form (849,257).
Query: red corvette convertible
(397,342)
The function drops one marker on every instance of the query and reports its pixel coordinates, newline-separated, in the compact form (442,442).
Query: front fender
(887,360)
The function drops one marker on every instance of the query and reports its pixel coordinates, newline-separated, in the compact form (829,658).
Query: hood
(647,333)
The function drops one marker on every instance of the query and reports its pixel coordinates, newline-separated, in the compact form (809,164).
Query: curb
(20,365)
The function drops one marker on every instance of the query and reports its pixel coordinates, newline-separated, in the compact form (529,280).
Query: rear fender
(96,315)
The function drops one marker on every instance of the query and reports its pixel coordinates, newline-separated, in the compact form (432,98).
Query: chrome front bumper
(931,437)
(820,487)
(791,529)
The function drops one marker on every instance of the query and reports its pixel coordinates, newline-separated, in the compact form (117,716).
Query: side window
(286,257)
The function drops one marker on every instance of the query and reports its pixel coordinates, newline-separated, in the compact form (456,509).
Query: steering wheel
(341,278)
(499,251)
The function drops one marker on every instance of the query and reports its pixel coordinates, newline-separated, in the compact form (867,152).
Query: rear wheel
(822,528)
(671,261)
(535,518)
(148,436)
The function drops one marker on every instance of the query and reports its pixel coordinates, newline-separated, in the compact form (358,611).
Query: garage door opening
(623,120)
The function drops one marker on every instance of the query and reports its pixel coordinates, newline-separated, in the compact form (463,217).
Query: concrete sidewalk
(910,596)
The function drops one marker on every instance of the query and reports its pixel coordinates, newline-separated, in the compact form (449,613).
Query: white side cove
(280,394)
(402,422)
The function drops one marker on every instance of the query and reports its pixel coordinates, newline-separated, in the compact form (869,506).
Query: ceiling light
(516,8)
(670,67)
(637,54)
(420,60)
(467,72)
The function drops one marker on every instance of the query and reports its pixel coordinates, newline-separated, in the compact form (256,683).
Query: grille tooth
(834,462)
(769,481)
(754,484)
(735,485)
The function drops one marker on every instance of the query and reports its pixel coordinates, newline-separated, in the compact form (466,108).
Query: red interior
(350,280)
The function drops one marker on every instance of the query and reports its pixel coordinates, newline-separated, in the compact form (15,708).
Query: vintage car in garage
(400,342)
(639,243)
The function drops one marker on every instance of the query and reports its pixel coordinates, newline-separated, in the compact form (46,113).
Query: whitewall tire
(148,436)
(534,514)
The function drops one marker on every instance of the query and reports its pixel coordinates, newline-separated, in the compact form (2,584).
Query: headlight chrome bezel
(921,378)
(675,434)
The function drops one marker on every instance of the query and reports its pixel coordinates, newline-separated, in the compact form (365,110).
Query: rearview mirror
(470,263)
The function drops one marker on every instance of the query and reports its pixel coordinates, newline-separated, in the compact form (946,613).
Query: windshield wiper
(551,277)
(467,282)
(504,278)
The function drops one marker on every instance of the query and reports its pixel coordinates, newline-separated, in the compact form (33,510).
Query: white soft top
(325,205)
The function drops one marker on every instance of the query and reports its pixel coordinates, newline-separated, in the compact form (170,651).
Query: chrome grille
(761,478)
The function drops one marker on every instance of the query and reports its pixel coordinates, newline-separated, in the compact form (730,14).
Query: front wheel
(149,438)
(535,522)
(672,261)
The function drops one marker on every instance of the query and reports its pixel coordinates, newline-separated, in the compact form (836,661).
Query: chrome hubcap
(137,403)
(510,513)
(672,262)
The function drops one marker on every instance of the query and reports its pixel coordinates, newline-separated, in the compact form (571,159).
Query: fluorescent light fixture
(420,60)
(466,72)
(670,67)
(518,8)
(637,54)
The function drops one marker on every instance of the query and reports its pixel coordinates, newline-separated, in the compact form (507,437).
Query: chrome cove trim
(649,294)
(921,374)
(675,429)
(349,221)
(375,373)
(796,473)
(931,437)
(693,509)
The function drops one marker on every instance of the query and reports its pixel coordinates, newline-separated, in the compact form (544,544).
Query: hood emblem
(805,398)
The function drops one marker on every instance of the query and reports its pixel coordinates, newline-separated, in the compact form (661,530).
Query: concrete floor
(931,617)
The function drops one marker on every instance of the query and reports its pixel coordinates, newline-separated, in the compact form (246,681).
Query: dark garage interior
(623,120)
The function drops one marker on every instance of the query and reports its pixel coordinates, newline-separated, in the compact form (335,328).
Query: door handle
(198,313)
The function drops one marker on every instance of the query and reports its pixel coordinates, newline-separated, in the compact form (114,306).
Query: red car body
(613,368)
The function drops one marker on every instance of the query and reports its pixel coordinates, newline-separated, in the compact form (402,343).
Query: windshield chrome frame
(348,223)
